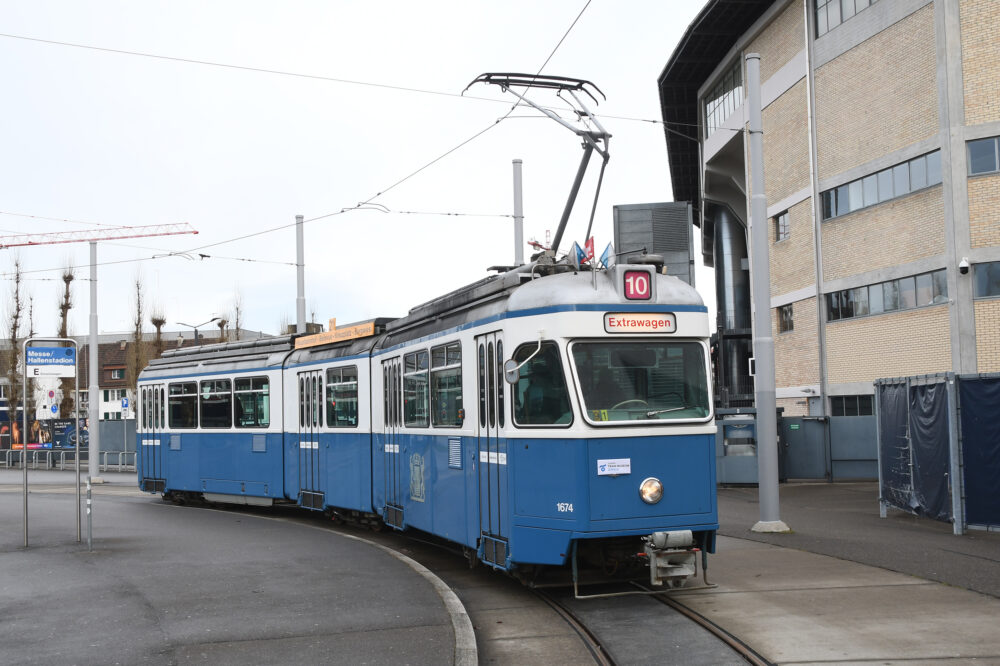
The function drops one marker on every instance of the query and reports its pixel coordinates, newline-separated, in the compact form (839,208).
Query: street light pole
(196,327)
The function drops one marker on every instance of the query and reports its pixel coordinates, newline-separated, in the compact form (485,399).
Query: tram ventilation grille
(455,453)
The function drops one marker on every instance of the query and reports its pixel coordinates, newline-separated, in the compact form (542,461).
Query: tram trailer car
(547,417)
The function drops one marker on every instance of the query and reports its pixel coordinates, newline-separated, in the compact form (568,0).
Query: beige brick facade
(980,56)
(878,97)
(786,143)
(988,335)
(793,406)
(793,260)
(888,234)
(897,344)
(984,211)
(796,355)
(780,41)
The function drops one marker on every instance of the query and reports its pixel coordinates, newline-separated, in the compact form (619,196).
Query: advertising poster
(63,433)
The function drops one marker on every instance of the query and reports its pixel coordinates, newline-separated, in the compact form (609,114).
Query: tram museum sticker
(640,322)
(614,467)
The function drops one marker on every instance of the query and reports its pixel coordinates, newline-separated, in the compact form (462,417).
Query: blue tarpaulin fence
(939,447)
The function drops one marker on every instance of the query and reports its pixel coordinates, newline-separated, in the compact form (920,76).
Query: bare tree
(138,355)
(158,320)
(66,405)
(13,354)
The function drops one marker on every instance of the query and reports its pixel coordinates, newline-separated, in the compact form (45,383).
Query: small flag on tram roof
(588,248)
(608,256)
(576,254)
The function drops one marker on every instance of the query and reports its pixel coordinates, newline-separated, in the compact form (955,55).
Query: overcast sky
(93,137)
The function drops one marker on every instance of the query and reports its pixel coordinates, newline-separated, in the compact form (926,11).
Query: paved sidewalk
(849,587)
(168,585)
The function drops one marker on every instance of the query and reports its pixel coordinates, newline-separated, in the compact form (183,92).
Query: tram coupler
(672,558)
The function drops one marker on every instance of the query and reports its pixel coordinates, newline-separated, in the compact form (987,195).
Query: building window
(831,13)
(781,231)
(891,183)
(724,98)
(785,322)
(983,156)
(987,278)
(118,373)
(851,405)
(916,291)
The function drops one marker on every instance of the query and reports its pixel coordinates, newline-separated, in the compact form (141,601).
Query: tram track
(600,625)
(590,640)
(738,646)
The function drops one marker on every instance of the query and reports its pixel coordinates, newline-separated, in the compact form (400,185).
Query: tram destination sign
(640,322)
(50,361)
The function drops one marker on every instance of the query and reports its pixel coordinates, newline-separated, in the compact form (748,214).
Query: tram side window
(252,402)
(182,405)
(415,389)
(342,397)
(446,385)
(216,403)
(540,396)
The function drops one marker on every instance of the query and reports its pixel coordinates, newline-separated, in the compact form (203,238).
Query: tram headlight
(651,490)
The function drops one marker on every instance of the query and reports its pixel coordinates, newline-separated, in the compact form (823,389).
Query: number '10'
(637,285)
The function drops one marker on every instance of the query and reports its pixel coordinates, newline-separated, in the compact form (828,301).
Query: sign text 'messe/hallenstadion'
(636,322)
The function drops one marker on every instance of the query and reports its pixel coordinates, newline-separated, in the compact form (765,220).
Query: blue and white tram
(543,417)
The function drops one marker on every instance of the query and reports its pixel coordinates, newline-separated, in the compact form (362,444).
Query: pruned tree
(158,320)
(137,355)
(12,355)
(221,323)
(66,405)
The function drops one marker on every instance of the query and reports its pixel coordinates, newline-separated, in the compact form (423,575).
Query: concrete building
(882,177)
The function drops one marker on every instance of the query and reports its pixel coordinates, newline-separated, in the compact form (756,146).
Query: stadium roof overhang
(705,43)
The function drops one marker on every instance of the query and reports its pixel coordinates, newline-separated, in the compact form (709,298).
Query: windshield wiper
(663,411)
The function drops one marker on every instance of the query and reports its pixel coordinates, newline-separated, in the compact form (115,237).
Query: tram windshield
(642,380)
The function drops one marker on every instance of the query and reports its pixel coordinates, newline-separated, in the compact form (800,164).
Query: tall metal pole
(24,432)
(763,343)
(76,445)
(518,216)
(94,457)
(300,269)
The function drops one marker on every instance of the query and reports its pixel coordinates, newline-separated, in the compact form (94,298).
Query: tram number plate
(637,285)
(564,507)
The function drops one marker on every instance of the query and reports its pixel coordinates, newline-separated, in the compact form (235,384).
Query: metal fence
(939,447)
(117,461)
(117,451)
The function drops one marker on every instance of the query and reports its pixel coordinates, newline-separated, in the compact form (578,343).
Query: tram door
(392,464)
(494,527)
(151,423)
(310,387)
